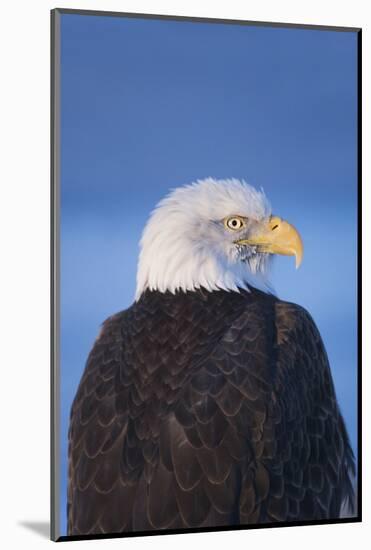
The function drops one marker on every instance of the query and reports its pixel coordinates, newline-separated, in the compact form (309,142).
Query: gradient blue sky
(147,105)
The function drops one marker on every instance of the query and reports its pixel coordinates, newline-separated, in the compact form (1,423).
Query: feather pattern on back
(204,409)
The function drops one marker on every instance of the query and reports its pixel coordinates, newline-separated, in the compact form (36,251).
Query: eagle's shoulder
(102,363)
(112,323)
(292,314)
(295,321)
(281,320)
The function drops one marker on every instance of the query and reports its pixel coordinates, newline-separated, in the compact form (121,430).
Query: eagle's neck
(170,268)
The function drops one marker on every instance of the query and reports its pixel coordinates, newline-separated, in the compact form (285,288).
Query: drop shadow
(41,528)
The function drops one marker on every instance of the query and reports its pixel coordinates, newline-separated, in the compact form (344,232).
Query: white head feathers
(185,244)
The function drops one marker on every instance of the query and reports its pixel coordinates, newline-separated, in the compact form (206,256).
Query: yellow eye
(235,223)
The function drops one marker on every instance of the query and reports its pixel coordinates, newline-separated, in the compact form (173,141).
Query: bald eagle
(209,402)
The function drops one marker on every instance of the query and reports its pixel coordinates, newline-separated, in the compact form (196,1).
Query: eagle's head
(215,234)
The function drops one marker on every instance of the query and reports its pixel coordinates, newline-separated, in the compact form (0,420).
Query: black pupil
(234,223)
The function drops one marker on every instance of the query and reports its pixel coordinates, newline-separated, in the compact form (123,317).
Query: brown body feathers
(205,409)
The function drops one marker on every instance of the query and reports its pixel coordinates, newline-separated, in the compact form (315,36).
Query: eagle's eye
(234,223)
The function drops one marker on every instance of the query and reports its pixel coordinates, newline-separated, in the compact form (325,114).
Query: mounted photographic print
(205,275)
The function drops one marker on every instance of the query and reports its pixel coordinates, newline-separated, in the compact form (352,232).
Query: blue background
(147,105)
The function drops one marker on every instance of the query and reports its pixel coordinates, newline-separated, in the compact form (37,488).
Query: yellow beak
(278,237)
